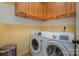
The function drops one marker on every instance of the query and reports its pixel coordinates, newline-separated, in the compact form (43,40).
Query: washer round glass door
(54,49)
(35,45)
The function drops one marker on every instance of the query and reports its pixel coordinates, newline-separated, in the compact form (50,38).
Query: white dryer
(36,43)
(58,44)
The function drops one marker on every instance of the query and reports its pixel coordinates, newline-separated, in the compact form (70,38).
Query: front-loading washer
(36,44)
(58,44)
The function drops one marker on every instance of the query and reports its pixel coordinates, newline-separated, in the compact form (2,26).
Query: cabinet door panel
(40,10)
(50,10)
(22,8)
(71,9)
(61,8)
(18,8)
(33,9)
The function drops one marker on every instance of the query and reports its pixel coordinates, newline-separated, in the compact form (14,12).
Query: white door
(77,25)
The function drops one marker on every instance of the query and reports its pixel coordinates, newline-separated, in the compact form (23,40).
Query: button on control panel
(54,36)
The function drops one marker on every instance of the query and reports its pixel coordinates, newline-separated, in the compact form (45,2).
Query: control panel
(64,37)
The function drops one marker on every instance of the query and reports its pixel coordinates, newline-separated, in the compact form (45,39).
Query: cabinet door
(21,9)
(18,8)
(61,9)
(50,10)
(71,8)
(33,9)
(40,10)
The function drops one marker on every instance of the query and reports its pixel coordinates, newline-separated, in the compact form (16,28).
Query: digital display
(64,37)
(39,33)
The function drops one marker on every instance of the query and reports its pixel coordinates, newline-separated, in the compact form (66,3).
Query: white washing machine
(58,44)
(36,43)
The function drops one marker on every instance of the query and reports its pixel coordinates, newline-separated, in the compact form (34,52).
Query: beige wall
(17,34)
(59,28)
(57,25)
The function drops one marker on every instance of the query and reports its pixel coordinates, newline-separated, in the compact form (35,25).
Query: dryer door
(53,48)
(35,45)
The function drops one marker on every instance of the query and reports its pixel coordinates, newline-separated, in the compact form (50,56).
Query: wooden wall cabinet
(45,11)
